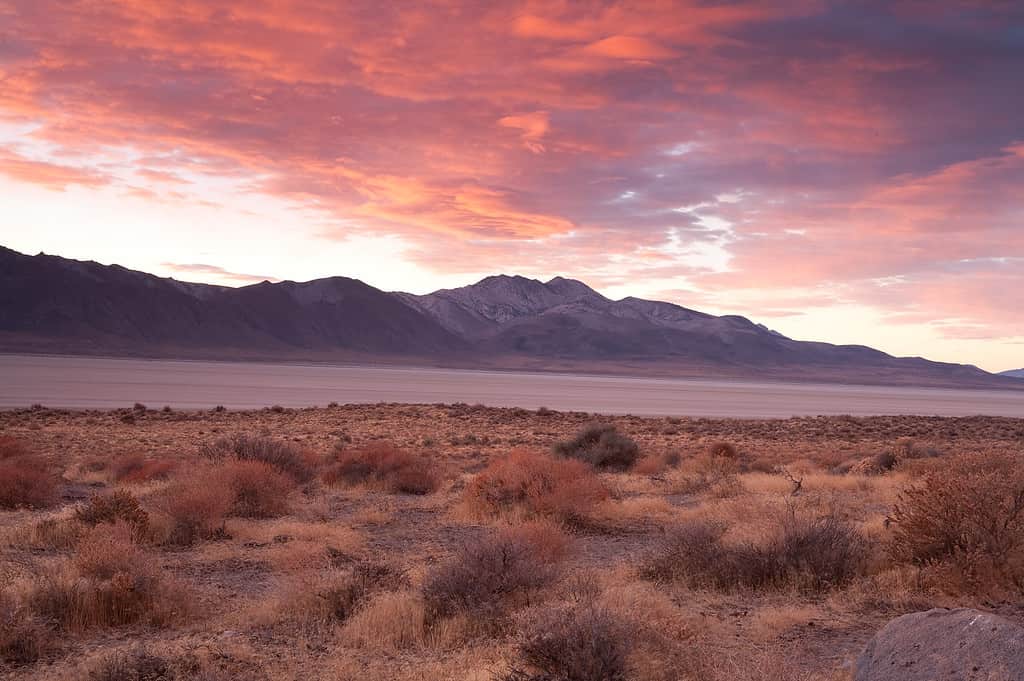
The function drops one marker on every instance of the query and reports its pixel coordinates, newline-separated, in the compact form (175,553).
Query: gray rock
(946,645)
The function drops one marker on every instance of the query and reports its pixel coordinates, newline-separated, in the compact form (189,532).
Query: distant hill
(1014,373)
(57,305)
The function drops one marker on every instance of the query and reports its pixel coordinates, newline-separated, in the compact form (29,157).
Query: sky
(847,172)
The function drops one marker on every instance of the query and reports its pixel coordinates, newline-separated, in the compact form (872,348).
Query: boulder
(951,645)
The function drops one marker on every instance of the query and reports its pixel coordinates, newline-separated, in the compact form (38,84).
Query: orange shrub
(111,581)
(385,466)
(546,538)
(196,506)
(25,480)
(259,490)
(137,468)
(535,485)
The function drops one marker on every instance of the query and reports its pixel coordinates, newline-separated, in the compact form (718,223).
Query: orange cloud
(850,156)
(52,175)
(533,127)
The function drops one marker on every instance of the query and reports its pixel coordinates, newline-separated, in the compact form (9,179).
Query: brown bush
(577,644)
(196,508)
(344,596)
(385,466)
(135,468)
(283,456)
(119,505)
(535,485)
(12,448)
(23,636)
(968,516)
(139,664)
(602,446)
(258,489)
(546,538)
(327,597)
(25,480)
(111,581)
(811,554)
(722,449)
(487,576)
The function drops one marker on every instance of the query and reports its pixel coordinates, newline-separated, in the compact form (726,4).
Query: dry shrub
(25,480)
(283,456)
(721,449)
(258,490)
(139,664)
(391,621)
(119,505)
(111,581)
(59,533)
(12,448)
(195,507)
(385,466)
(135,468)
(487,577)
(812,554)
(23,636)
(583,643)
(546,538)
(967,519)
(531,484)
(602,446)
(328,597)
(713,471)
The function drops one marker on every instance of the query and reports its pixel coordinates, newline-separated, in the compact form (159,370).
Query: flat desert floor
(464,542)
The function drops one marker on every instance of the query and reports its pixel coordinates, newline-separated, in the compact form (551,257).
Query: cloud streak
(749,147)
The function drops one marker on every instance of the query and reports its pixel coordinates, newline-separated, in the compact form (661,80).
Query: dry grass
(517,562)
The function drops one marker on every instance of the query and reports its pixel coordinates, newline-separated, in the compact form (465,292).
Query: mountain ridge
(54,304)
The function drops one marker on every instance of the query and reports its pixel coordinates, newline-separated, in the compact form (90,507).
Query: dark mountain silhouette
(75,306)
(52,304)
(1013,373)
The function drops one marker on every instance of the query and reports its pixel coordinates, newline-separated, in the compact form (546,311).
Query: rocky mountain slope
(53,304)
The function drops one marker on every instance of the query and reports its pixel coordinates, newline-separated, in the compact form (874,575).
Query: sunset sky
(842,172)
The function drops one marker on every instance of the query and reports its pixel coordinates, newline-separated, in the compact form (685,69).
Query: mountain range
(50,304)
(1013,373)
